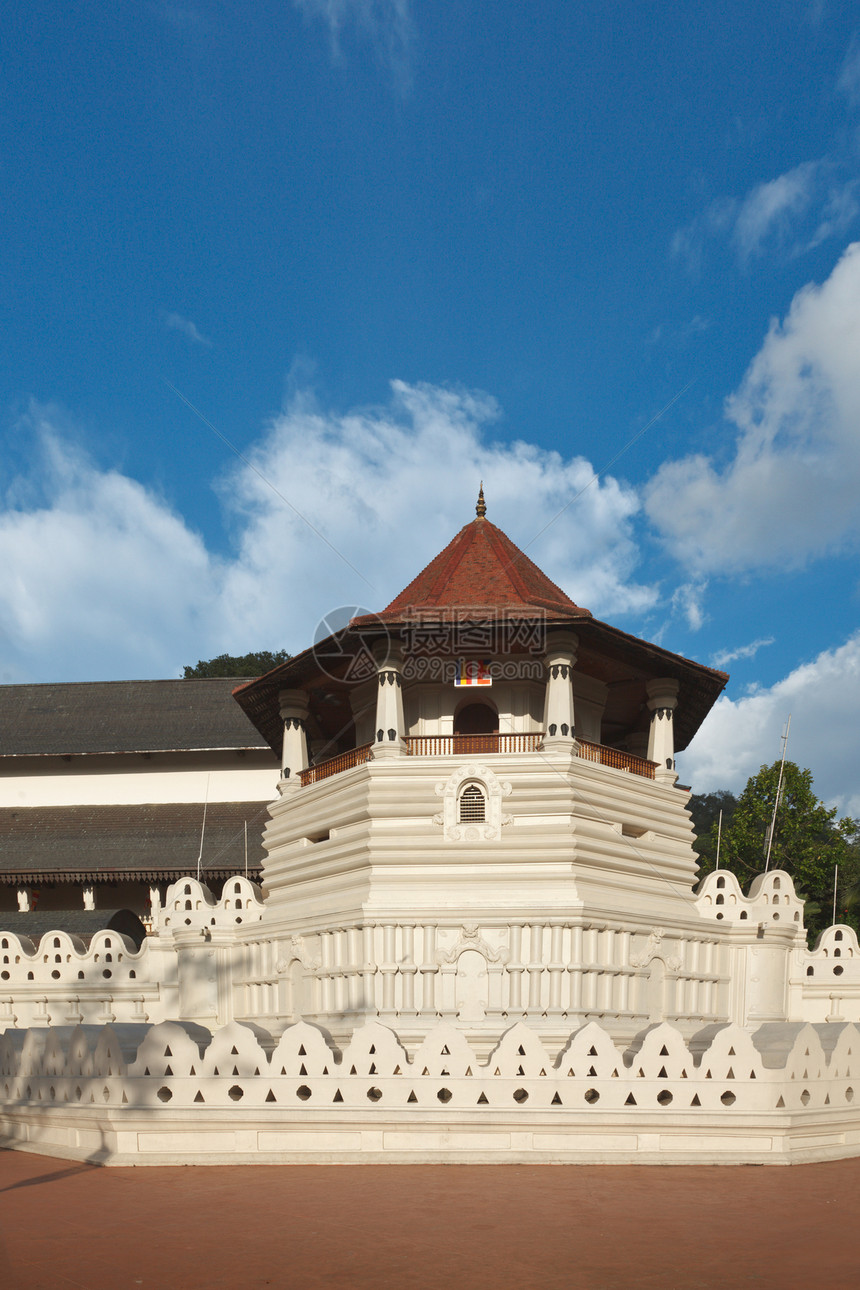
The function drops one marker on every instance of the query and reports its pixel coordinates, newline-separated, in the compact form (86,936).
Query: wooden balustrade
(616,758)
(334,765)
(472,745)
(478,745)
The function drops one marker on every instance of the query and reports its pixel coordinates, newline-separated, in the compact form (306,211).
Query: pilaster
(294,713)
(390,723)
(662,701)
(559,721)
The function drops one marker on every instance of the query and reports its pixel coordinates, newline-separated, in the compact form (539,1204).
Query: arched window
(473,805)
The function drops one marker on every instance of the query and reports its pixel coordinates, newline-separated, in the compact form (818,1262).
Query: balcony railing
(334,765)
(615,757)
(477,745)
(471,745)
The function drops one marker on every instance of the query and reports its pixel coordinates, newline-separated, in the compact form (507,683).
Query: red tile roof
(481,569)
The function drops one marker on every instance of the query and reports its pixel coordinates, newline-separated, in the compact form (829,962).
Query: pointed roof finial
(481,508)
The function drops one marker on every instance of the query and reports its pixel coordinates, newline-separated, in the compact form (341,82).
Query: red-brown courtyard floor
(472,1226)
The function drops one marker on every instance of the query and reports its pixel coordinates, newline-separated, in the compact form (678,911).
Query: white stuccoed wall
(134,779)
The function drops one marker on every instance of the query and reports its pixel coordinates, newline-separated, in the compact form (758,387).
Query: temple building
(483,771)
(477,932)
(111,790)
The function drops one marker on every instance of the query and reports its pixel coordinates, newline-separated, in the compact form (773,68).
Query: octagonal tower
(479,816)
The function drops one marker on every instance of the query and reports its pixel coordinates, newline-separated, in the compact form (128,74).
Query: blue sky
(387,248)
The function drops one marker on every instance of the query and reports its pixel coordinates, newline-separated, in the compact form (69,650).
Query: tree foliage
(705,809)
(808,840)
(231,665)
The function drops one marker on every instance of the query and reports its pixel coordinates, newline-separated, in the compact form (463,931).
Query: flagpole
(778,791)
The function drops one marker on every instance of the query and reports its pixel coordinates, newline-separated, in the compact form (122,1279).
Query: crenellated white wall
(178,1094)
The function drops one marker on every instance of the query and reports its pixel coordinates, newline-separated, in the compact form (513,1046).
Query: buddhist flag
(473,671)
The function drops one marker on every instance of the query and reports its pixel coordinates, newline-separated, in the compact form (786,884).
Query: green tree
(705,809)
(808,841)
(230,665)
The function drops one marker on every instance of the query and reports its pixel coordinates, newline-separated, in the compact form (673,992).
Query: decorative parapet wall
(59,980)
(822,984)
(190,904)
(830,976)
(176,1093)
(772,899)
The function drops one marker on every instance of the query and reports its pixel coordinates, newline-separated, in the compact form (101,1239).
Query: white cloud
(769,210)
(725,657)
(99,577)
(175,322)
(837,214)
(687,600)
(792,213)
(390,487)
(790,492)
(849,78)
(823,700)
(387,24)
(715,221)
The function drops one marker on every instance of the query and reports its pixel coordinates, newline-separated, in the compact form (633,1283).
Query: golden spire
(481,508)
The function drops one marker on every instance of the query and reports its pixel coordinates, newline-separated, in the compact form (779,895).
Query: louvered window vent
(473,807)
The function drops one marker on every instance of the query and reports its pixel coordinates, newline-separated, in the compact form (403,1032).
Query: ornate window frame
(494,791)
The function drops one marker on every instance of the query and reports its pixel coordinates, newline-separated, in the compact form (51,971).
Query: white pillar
(89,897)
(559,727)
(390,722)
(662,701)
(294,711)
(154,904)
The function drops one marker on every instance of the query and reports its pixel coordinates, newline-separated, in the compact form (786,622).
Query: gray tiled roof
(106,843)
(123,716)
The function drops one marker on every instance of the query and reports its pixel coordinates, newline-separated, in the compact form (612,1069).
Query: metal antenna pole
(835,882)
(203,827)
(778,791)
(719,835)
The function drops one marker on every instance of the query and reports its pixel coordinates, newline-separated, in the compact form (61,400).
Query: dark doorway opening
(476,729)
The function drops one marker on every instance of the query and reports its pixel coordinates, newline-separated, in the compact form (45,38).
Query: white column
(558,709)
(390,722)
(294,712)
(154,903)
(662,701)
